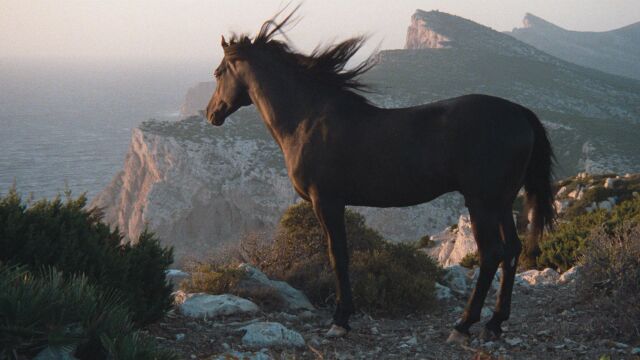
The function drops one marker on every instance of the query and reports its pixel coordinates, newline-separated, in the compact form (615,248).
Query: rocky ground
(548,322)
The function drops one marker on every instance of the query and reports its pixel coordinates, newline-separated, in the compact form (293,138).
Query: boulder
(457,278)
(293,298)
(266,334)
(547,276)
(206,305)
(570,275)
(443,292)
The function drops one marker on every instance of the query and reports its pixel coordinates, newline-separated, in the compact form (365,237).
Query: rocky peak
(531,21)
(439,30)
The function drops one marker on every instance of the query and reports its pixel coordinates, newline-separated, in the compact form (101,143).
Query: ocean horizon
(67,124)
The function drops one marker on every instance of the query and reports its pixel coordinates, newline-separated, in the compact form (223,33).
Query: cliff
(616,51)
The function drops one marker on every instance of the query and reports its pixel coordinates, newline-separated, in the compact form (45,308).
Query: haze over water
(69,124)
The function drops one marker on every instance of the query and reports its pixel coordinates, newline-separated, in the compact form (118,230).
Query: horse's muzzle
(217,116)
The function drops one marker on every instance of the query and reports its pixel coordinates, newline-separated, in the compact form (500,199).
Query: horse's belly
(399,195)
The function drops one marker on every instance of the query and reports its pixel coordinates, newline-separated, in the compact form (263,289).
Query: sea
(66,125)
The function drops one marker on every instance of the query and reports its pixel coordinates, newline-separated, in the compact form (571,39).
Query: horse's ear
(224,42)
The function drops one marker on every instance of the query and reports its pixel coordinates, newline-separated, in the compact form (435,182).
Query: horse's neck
(282,102)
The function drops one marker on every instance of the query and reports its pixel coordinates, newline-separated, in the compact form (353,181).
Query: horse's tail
(538,183)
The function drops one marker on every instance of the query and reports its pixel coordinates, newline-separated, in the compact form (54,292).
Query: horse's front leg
(330,213)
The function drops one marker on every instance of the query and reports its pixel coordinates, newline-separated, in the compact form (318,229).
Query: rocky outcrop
(615,51)
(454,243)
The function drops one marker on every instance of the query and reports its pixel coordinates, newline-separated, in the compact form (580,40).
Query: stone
(413,341)
(547,276)
(443,292)
(451,246)
(55,353)
(486,312)
(180,337)
(201,305)
(635,351)
(294,299)
(570,275)
(266,334)
(562,205)
(456,278)
(513,341)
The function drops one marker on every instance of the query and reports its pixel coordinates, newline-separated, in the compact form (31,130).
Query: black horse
(341,150)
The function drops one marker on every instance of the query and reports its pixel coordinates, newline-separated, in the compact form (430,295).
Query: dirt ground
(547,322)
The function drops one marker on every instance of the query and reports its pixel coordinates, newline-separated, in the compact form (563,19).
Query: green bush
(562,248)
(387,278)
(611,280)
(65,235)
(55,314)
(470,260)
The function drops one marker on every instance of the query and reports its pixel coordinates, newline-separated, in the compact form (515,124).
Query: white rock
(294,298)
(513,341)
(547,276)
(206,305)
(413,341)
(569,275)
(456,278)
(443,292)
(451,246)
(561,205)
(265,334)
(561,191)
(486,312)
(635,351)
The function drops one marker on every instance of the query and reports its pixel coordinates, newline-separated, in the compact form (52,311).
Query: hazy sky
(189,30)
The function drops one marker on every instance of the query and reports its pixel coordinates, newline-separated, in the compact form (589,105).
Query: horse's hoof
(336,331)
(489,335)
(456,337)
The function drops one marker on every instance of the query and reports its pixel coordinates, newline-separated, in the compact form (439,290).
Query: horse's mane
(325,64)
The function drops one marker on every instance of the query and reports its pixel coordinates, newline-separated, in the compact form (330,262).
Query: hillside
(616,51)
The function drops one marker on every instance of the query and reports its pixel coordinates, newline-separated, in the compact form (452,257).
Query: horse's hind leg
(331,216)
(512,249)
(485,224)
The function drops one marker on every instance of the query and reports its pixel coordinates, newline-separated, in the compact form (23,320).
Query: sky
(189,30)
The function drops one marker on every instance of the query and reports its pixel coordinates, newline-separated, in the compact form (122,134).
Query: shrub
(387,278)
(470,260)
(611,280)
(562,248)
(74,240)
(394,279)
(424,242)
(55,314)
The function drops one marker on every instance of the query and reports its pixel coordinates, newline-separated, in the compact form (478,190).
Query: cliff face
(615,51)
